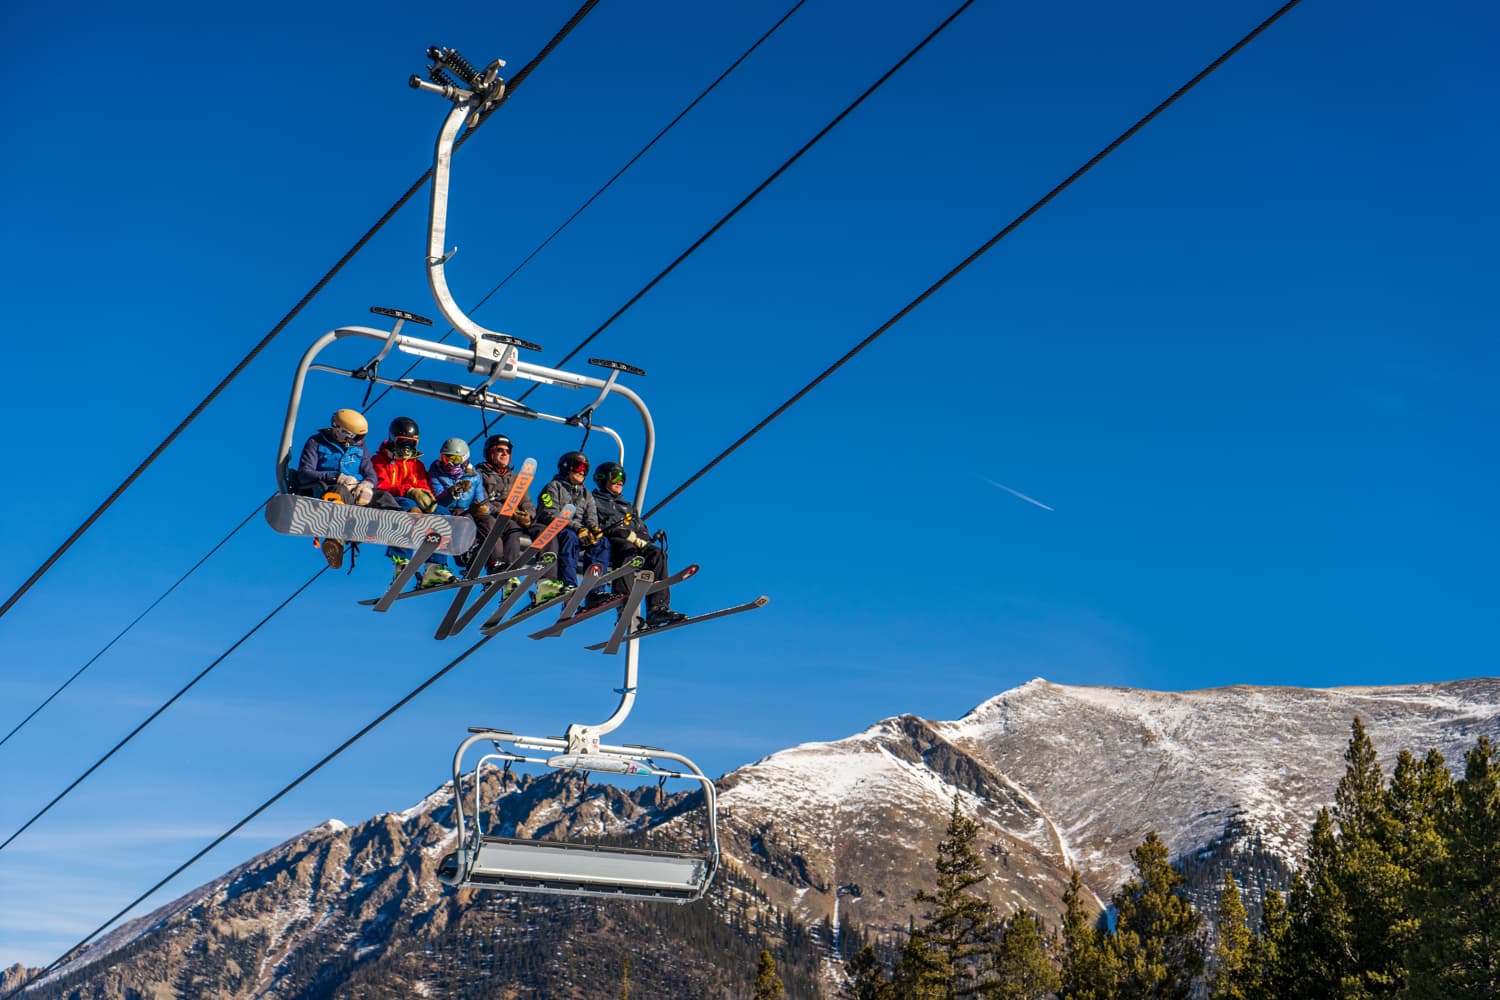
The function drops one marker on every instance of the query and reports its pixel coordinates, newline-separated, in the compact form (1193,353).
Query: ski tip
(529,465)
(370,601)
(690,571)
(761,601)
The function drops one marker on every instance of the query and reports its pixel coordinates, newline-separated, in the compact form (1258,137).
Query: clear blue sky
(1250,361)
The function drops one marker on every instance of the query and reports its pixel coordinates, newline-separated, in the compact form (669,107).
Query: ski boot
(657,617)
(433,575)
(333,551)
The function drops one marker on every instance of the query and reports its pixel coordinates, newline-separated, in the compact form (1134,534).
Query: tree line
(1397,895)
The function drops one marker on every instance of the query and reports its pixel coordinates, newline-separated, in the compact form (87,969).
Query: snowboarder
(629,537)
(335,467)
(398,465)
(497,476)
(581,539)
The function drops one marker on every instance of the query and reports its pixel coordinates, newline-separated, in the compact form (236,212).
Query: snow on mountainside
(1063,776)
(1056,776)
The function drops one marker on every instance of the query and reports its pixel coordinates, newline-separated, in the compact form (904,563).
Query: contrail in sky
(1018,493)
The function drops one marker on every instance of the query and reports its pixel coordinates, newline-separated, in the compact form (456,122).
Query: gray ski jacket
(558,493)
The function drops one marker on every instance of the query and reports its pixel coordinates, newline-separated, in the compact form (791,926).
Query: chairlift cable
(384,392)
(121,634)
(163,707)
(265,341)
(983,248)
(762,186)
(314,769)
(1254,33)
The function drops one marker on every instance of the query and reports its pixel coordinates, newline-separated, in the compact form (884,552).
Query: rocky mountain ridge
(842,832)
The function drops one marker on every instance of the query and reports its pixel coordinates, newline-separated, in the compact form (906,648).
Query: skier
(398,464)
(334,466)
(629,537)
(497,476)
(455,484)
(582,537)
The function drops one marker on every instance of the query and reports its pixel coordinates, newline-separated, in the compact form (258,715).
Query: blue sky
(1249,360)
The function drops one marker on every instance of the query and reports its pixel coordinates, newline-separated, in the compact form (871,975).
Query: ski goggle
(617,476)
(453,459)
(404,447)
(342,436)
(580,467)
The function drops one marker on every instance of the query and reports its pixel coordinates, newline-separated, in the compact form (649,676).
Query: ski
(424,552)
(644,632)
(481,556)
(571,615)
(528,580)
(551,531)
(563,623)
(518,488)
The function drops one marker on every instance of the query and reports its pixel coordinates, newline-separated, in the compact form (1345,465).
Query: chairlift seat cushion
(588,870)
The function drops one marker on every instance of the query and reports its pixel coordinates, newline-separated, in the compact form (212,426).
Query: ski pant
(569,557)
(513,538)
(407,504)
(655,561)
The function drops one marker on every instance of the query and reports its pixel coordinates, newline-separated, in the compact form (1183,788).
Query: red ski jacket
(398,475)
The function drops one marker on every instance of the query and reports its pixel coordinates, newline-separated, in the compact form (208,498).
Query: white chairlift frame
(483,861)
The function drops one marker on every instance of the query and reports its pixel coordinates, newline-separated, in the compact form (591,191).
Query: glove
(589,536)
(347,481)
(460,489)
(424,499)
(522,518)
(636,540)
(364,493)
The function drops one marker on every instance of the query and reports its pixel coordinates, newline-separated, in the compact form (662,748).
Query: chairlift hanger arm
(458,355)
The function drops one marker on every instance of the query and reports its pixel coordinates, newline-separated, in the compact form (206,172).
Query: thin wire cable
(492,292)
(609,183)
(257,811)
(234,373)
(985,247)
(761,187)
(121,634)
(459,659)
(164,706)
(514,271)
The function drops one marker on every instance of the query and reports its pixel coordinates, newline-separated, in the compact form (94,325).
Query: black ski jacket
(618,517)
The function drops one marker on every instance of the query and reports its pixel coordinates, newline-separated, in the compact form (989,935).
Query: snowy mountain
(1064,776)
(1057,776)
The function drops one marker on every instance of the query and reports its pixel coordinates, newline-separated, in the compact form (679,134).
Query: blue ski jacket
(324,460)
(444,486)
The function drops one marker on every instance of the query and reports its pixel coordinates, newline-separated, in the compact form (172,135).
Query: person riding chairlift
(398,464)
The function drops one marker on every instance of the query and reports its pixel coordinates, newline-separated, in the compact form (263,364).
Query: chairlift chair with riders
(482,859)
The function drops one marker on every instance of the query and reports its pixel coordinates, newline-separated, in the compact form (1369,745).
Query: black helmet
(571,461)
(495,439)
(609,472)
(404,427)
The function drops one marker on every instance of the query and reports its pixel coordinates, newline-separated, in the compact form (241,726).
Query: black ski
(424,552)
(642,633)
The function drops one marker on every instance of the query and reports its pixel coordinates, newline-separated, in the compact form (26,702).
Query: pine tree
(1267,976)
(922,972)
(1156,934)
(868,976)
(1231,972)
(1319,953)
(767,984)
(1089,971)
(1024,967)
(1459,956)
(961,927)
